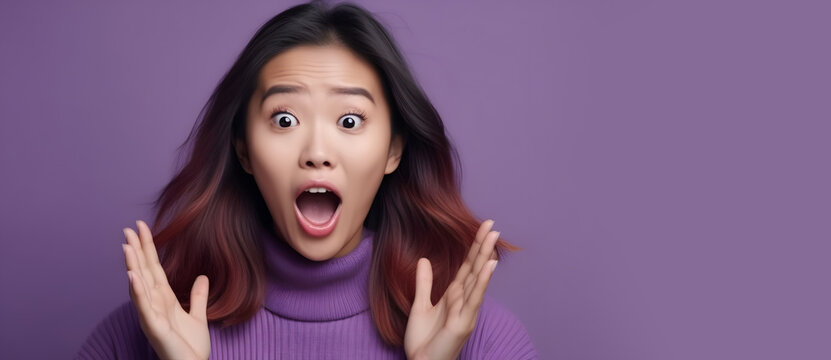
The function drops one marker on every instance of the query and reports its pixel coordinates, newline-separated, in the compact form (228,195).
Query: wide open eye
(350,121)
(284,119)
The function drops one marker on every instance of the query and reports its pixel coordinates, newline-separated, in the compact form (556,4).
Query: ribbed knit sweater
(312,310)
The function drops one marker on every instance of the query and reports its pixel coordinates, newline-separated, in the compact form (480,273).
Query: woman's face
(318,120)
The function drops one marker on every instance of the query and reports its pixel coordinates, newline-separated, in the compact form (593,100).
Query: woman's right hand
(173,332)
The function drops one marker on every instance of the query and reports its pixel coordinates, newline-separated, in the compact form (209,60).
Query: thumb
(424,283)
(199,298)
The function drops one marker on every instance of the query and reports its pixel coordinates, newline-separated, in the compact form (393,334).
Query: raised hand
(173,333)
(440,331)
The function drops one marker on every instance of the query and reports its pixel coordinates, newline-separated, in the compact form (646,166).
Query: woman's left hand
(439,332)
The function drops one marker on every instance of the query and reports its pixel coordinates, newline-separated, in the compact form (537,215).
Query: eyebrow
(292,89)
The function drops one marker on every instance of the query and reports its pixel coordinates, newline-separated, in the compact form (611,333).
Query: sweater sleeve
(498,334)
(117,336)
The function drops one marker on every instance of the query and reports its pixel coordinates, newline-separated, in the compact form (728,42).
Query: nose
(317,162)
(316,154)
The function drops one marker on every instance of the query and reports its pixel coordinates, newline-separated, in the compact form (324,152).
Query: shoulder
(117,335)
(498,334)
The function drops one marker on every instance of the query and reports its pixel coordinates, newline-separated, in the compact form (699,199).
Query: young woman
(320,202)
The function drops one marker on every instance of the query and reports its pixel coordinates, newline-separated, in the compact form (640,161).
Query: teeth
(316,190)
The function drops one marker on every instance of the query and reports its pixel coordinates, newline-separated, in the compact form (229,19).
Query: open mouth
(317,205)
(317,210)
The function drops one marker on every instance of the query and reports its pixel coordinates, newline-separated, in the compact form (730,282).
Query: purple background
(664,164)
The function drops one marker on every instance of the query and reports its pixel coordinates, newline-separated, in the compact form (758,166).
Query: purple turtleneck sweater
(312,310)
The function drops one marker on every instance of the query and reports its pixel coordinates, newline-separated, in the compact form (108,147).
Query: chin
(318,249)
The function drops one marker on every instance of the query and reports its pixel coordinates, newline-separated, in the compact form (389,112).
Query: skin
(281,159)
(354,160)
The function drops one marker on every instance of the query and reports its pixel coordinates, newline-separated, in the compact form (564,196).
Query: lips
(317,207)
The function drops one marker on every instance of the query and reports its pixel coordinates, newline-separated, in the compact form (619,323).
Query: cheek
(272,165)
(366,170)
(368,157)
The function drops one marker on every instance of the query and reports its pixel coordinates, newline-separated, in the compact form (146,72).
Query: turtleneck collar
(306,290)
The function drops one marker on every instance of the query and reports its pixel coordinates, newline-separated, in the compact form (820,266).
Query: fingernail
(493,264)
(129,276)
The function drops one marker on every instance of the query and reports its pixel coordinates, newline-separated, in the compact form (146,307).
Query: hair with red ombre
(209,217)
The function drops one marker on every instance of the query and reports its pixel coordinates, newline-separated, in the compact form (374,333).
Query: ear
(242,155)
(394,154)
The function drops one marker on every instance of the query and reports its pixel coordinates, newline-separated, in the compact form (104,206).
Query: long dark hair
(208,216)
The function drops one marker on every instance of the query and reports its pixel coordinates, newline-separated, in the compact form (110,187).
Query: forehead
(320,65)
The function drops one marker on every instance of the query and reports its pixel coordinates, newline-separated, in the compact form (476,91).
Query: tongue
(318,208)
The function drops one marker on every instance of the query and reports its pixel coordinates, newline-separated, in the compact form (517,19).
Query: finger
(484,255)
(151,265)
(140,297)
(470,269)
(456,301)
(127,261)
(454,294)
(424,283)
(150,254)
(484,228)
(133,239)
(135,243)
(199,298)
(485,251)
(146,238)
(134,271)
(464,270)
(474,300)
